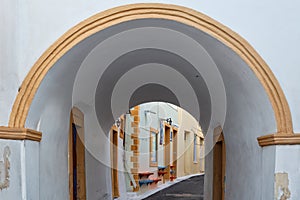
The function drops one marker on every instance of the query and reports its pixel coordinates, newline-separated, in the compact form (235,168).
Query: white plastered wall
(33,26)
(189,124)
(149,120)
(289,167)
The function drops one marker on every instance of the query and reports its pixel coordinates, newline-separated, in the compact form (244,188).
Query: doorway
(219,163)
(174,163)
(77,185)
(187,153)
(114,162)
(167,152)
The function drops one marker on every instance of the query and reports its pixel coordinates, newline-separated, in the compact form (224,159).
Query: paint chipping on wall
(282,191)
(4,169)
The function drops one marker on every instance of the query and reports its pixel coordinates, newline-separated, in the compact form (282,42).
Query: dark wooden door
(77,183)
(114,163)
(219,169)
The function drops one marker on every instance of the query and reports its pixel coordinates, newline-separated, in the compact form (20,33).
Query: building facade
(159,146)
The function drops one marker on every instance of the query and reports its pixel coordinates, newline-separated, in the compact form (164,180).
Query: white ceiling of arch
(204,81)
(158,38)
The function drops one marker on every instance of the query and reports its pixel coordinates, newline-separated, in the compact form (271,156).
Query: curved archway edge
(180,14)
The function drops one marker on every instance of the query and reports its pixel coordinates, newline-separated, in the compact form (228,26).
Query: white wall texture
(248,115)
(163,111)
(23,169)
(190,124)
(16,170)
(288,161)
(33,27)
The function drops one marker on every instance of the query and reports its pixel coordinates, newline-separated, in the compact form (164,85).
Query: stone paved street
(191,189)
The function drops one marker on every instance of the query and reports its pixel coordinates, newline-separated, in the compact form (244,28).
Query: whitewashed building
(157,142)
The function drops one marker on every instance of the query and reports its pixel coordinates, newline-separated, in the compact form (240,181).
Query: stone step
(132,195)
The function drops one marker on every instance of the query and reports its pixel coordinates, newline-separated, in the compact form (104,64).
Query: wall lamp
(169,121)
(118,122)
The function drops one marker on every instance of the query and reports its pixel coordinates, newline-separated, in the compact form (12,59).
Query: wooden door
(167,152)
(114,162)
(187,153)
(174,159)
(77,183)
(219,160)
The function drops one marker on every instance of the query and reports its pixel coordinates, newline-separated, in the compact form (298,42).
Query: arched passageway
(152,52)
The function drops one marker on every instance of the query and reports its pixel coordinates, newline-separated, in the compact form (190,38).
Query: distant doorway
(174,163)
(167,152)
(114,162)
(187,155)
(77,186)
(219,163)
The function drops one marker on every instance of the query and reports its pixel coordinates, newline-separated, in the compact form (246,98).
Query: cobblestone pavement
(190,189)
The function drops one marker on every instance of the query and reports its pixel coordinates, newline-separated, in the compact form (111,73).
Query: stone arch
(176,13)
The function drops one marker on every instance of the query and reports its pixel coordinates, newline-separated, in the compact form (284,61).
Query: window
(153,147)
(185,135)
(195,149)
(122,127)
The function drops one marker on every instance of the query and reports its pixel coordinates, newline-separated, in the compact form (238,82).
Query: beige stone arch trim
(12,133)
(180,14)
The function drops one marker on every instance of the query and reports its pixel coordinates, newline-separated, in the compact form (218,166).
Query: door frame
(175,150)
(219,164)
(167,151)
(114,162)
(77,121)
